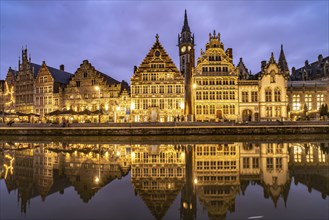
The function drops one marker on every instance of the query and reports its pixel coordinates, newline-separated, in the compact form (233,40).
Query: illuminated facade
(93,91)
(157,88)
(215,87)
(308,89)
(24,84)
(49,88)
(273,101)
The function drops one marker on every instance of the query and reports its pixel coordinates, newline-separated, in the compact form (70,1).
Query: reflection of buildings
(217,177)
(157,173)
(213,172)
(274,171)
(309,165)
(41,170)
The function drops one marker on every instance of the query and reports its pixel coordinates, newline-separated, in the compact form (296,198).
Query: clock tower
(186,60)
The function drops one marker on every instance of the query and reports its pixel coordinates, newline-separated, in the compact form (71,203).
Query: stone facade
(49,88)
(215,83)
(90,90)
(157,88)
(308,89)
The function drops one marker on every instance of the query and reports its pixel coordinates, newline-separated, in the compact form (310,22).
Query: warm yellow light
(182,105)
(132,105)
(118,153)
(106,107)
(97,88)
(194,85)
(195,181)
(96,179)
(183,155)
(118,108)
(133,155)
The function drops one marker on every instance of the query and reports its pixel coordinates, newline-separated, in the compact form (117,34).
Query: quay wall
(80,130)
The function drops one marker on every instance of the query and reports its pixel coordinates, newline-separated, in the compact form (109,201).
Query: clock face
(183,49)
(157,53)
(189,48)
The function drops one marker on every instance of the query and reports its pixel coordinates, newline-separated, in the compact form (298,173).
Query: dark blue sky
(114,36)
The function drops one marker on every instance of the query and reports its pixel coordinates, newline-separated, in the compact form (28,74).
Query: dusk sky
(116,35)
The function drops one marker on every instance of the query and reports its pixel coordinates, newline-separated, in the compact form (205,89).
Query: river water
(164,178)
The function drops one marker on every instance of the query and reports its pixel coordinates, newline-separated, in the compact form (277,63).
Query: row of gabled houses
(212,89)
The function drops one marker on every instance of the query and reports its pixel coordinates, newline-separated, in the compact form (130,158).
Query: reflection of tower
(186,54)
(188,194)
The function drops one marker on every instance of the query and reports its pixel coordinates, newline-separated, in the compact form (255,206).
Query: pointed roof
(186,27)
(282,61)
(157,54)
(58,75)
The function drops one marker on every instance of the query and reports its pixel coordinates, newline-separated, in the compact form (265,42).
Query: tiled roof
(58,75)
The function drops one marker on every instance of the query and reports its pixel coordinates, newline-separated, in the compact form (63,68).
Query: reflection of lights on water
(298,149)
(10,167)
(97,179)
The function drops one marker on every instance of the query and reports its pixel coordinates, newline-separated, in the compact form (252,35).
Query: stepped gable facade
(215,83)
(157,88)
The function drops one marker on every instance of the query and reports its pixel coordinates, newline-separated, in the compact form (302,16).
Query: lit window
(296,102)
(319,100)
(308,101)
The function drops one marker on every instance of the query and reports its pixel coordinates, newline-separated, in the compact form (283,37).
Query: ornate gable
(157,60)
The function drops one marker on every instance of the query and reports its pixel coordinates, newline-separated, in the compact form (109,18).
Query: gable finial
(157,37)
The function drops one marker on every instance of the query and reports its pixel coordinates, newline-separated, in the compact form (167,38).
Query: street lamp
(97,88)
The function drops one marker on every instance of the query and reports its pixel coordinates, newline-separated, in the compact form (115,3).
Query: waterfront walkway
(168,128)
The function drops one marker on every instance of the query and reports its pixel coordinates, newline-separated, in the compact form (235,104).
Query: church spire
(282,61)
(185,27)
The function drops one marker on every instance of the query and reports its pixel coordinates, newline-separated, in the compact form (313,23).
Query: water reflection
(211,175)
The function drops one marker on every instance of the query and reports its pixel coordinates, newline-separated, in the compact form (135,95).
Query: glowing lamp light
(106,107)
(97,179)
(194,86)
(133,155)
(132,105)
(97,88)
(118,153)
(182,105)
(195,181)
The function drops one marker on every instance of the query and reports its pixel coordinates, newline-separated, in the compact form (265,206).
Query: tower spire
(282,61)
(186,27)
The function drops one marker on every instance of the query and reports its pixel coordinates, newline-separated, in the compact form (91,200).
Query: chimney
(61,67)
(263,64)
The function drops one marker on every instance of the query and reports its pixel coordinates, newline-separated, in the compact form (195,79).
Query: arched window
(296,102)
(277,95)
(268,95)
(308,101)
(319,100)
